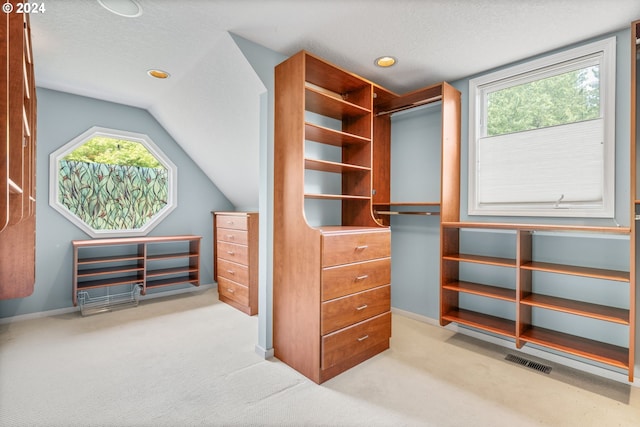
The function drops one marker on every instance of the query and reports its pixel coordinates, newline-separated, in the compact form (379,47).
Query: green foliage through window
(561,99)
(112,151)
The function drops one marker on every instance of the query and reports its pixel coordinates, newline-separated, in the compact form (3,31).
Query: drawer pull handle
(363,338)
(229,222)
(231,272)
(362,247)
(362,307)
(231,252)
(230,290)
(230,236)
(364,276)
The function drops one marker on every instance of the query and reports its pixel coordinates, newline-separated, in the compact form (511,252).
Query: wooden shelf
(335,167)
(109,270)
(335,197)
(580,308)
(598,273)
(107,259)
(578,346)
(177,280)
(496,325)
(135,250)
(325,135)
(101,283)
(482,290)
(481,259)
(537,227)
(170,271)
(159,257)
(326,105)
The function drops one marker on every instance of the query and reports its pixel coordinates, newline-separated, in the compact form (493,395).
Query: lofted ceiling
(210,104)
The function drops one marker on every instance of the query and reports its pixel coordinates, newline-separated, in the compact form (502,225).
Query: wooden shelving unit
(525,298)
(331,292)
(150,262)
(17,158)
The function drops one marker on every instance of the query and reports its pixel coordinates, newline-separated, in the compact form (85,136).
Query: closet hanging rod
(406,213)
(412,105)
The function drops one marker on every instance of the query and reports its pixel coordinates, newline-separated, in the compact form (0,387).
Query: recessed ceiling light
(385,61)
(158,74)
(126,8)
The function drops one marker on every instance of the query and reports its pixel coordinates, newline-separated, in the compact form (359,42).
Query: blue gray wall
(62,117)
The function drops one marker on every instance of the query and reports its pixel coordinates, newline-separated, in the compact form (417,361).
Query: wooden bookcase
(235,237)
(17,158)
(150,262)
(331,293)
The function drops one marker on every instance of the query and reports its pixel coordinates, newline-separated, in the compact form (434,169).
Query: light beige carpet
(189,360)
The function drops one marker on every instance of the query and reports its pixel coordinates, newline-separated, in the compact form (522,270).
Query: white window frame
(602,53)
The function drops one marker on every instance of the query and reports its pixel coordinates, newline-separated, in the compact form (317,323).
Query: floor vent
(529,363)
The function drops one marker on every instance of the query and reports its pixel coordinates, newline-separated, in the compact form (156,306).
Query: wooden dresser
(355,317)
(235,236)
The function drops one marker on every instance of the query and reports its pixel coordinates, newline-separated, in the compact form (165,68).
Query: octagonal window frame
(147,142)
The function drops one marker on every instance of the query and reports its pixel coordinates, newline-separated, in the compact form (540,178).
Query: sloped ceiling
(210,104)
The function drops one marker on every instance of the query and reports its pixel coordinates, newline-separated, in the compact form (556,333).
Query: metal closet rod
(412,105)
(406,213)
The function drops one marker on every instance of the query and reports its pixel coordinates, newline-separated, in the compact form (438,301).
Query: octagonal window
(112,183)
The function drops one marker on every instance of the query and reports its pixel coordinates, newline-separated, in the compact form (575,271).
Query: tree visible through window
(565,98)
(541,136)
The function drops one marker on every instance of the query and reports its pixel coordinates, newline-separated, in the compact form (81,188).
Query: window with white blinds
(541,136)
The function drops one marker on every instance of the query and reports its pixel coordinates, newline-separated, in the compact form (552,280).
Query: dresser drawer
(345,311)
(347,279)
(345,248)
(230,235)
(236,222)
(233,290)
(232,252)
(348,342)
(239,273)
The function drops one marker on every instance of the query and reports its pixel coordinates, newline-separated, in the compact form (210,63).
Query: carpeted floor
(189,360)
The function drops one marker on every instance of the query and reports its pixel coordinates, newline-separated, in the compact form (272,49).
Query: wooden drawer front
(348,342)
(230,235)
(342,312)
(230,270)
(237,222)
(340,249)
(232,252)
(233,290)
(347,279)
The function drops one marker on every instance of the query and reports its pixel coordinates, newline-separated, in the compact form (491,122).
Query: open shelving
(525,293)
(147,262)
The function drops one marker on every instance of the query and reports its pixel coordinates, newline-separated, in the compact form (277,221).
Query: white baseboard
(264,353)
(66,310)
(532,351)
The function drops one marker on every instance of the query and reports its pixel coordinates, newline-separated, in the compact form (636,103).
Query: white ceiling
(211,107)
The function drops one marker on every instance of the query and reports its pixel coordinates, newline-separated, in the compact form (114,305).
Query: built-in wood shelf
(335,167)
(482,290)
(580,308)
(335,196)
(481,259)
(598,273)
(594,350)
(326,105)
(314,132)
(489,323)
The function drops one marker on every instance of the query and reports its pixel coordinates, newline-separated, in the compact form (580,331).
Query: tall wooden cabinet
(331,295)
(235,236)
(17,158)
